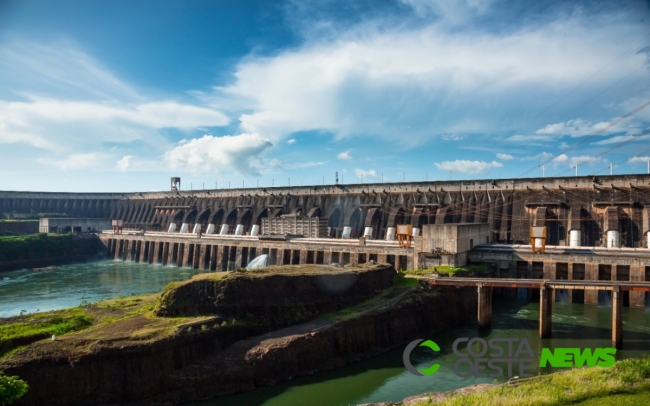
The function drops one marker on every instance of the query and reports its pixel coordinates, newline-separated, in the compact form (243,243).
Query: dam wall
(588,210)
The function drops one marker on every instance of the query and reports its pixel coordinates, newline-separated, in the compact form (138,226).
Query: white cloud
(561,158)
(345,155)
(358,82)
(578,128)
(291,141)
(363,174)
(453,137)
(622,138)
(542,156)
(469,167)
(216,154)
(453,12)
(505,157)
(75,161)
(572,161)
(124,163)
(638,159)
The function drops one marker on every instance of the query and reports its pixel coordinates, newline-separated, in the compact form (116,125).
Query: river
(71,285)
(382,378)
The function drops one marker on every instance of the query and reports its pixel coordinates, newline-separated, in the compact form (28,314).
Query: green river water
(382,378)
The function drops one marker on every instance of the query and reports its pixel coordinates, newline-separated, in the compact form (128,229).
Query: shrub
(12,388)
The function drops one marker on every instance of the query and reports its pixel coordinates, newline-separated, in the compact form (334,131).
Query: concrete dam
(597,228)
(578,211)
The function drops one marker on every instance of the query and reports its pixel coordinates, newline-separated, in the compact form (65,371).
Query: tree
(12,388)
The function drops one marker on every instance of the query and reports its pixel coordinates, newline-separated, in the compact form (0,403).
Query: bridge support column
(545,311)
(327,257)
(591,274)
(617,318)
(381,258)
(303,257)
(484,306)
(637,299)
(550,272)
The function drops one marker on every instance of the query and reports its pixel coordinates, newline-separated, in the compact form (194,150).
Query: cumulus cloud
(124,163)
(291,141)
(427,78)
(216,154)
(505,157)
(637,159)
(345,155)
(572,161)
(469,167)
(363,174)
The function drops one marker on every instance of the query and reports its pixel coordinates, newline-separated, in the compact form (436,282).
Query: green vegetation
(625,383)
(467,270)
(12,388)
(41,325)
(41,245)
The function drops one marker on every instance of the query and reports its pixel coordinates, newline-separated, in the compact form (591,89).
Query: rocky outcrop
(199,363)
(298,294)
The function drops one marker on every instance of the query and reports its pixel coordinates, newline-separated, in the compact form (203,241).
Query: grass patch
(41,325)
(467,270)
(628,381)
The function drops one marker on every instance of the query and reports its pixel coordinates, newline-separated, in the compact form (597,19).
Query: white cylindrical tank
(538,243)
(390,234)
(184,227)
(197,228)
(416,232)
(239,230)
(255,230)
(613,240)
(224,229)
(172,228)
(367,232)
(574,238)
(346,232)
(648,235)
(210,229)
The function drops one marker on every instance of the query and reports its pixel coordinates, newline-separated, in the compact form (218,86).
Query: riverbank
(41,250)
(626,383)
(131,356)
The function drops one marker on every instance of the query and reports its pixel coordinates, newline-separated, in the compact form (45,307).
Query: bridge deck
(538,283)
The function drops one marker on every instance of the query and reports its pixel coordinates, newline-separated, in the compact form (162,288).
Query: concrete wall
(62,225)
(454,238)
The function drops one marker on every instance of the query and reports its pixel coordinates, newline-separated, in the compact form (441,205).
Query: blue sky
(122,95)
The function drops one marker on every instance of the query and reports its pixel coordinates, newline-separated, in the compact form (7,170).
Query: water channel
(381,378)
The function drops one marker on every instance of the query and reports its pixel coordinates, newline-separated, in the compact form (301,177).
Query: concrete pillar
(381,258)
(197,258)
(221,252)
(617,318)
(165,253)
(570,278)
(144,252)
(303,257)
(545,311)
(410,265)
(637,274)
(138,249)
(591,274)
(202,253)
(484,306)
(354,258)
(118,248)
(156,252)
(218,258)
(186,254)
(238,258)
(327,257)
